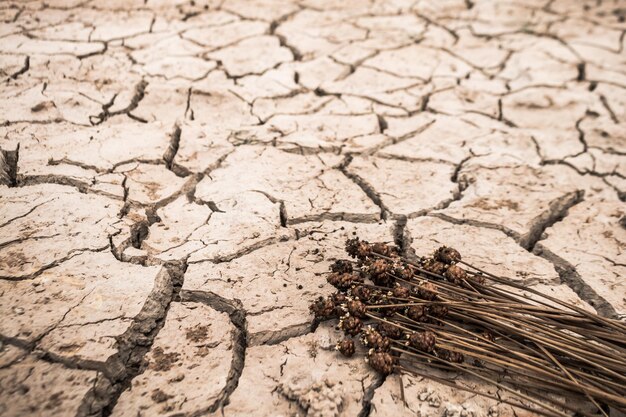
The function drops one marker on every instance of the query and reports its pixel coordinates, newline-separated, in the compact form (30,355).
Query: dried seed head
(357,308)
(362,293)
(351,325)
(376,341)
(438,310)
(357,248)
(447,255)
(423,341)
(339,298)
(384,249)
(477,278)
(389,330)
(426,291)
(379,267)
(323,308)
(401,292)
(382,362)
(341,266)
(352,246)
(402,271)
(346,347)
(455,274)
(342,281)
(416,312)
(434,266)
(448,355)
(379,270)
(383,280)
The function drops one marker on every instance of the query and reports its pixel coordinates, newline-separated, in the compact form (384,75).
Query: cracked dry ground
(188,170)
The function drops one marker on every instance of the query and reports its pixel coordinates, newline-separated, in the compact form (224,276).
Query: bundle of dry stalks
(429,316)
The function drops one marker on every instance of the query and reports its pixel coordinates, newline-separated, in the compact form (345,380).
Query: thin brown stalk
(486,395)
(495,383)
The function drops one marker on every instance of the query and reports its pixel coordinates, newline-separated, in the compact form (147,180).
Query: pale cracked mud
(178,175)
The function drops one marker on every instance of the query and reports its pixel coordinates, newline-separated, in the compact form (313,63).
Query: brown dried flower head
(323,308)
(389,330)
(346,347)
(424,341)
(448,355)
(341,266)
(401,292)
(478,279)
(379,270)
(351,325)
(357,248)
(342,281)
(356,308)
(339,298)
(447,255)
(426,291)
(434,266)
(379,267)
(376,341)
(384,249)
(402,271)
(362,293)
(416,312)
(438,310)
(382,362)
(456,274)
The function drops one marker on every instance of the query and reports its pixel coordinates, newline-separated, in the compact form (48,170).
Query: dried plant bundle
(435,315)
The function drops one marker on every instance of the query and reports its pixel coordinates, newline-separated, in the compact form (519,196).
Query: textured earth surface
(176,177)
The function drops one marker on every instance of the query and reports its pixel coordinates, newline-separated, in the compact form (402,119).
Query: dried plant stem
(486,395)
(490,381)
(611,323)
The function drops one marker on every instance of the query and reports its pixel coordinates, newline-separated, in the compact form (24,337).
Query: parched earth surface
(178,175)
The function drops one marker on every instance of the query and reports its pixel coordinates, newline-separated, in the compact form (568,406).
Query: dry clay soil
(177,177)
